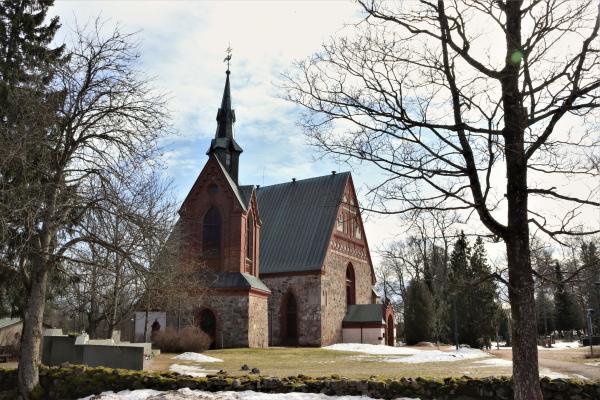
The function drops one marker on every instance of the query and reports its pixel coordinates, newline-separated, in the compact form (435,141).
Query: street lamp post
(590,333)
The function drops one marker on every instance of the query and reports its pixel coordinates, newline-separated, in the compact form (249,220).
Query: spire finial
(228,57)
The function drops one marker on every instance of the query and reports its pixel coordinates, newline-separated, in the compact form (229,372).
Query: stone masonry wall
(231,312)
(306,289)
(258,324)
(333,292)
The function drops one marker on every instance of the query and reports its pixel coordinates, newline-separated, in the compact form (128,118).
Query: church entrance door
(208,323)
(290,320)
(389,331)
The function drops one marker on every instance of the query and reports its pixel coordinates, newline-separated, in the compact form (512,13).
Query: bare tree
(107,283)
(477,106)
(104,116)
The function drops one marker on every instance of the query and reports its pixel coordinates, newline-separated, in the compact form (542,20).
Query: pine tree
(544,313)
(568,314)
(27,111)
(458,279)
(483,296)
(590,259)
(418,313)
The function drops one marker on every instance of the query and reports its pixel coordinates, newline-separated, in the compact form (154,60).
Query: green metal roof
(6,322)
(365,313)
(239,280)
(297,221)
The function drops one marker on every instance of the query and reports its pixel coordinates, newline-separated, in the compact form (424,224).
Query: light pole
(590,333)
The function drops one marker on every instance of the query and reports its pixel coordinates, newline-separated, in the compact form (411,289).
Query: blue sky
(183,44)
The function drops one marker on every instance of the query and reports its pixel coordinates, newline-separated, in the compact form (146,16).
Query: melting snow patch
(191,370)
(495,362)
(188,394)
(593,364)
(552,375)
(197,357)
(427,356)
(372,349)
(561,346)
(140,394)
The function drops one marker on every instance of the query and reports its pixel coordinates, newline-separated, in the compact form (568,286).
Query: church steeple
(224,146)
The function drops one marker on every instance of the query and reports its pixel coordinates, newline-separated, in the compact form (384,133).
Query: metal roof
(365,313)
(238,280)
(297,220)
(6,322)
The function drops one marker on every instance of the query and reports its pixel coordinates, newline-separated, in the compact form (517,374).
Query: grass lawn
(319,362)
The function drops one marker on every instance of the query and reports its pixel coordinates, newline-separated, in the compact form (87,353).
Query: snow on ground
(189,356)
(187,394)
(373,349)
(191,370)
(552,375)
(495,362)
(561,346)
(426,356)
(593,364)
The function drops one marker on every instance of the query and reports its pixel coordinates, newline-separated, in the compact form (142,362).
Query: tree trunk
(524,328)
(526,379)
(31,339)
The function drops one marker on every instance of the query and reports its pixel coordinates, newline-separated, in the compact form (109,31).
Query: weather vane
(228,57)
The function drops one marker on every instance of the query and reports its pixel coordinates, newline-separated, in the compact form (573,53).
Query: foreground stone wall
(306,289)
(77,381)
(333,296)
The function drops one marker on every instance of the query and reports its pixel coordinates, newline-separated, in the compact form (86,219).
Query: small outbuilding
(10,331)
(370,324)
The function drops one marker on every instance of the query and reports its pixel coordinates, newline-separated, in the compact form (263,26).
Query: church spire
(224,146)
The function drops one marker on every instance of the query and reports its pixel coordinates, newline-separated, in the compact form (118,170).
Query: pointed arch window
(350,285)
(211,233)
(249,237)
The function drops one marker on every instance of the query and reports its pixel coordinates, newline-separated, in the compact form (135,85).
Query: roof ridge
(306,179)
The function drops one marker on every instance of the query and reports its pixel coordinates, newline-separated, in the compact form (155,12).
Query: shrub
(189,338)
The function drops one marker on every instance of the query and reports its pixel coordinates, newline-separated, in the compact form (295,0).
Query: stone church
(291,260)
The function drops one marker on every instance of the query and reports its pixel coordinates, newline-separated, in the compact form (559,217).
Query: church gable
(211,218)
(348,236)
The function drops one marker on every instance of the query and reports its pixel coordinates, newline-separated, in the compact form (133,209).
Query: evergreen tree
(568,314)
(458,279)
(418,313)
(472,292)
(483,296)
(590,258)
(27,113)
(544,313)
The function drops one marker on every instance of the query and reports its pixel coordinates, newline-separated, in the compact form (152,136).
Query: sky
(182,46)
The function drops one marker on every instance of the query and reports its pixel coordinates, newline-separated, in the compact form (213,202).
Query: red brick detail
(232,257)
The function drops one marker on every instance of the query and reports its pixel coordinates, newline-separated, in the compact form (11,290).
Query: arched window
(350,286)
(249,237)
(211,233)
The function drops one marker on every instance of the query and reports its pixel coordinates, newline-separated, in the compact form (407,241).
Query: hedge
(74,381)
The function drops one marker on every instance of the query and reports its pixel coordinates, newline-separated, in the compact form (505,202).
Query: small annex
(290,262)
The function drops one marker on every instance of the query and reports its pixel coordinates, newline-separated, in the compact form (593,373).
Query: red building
(291,261)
